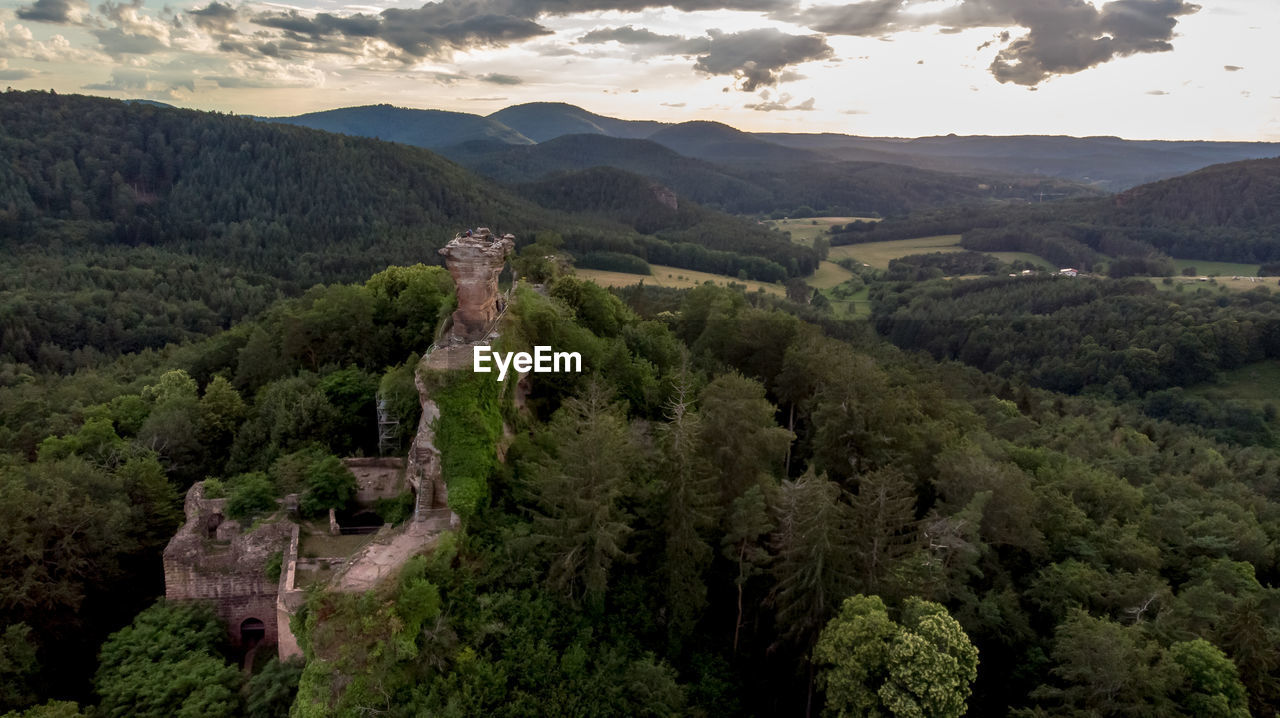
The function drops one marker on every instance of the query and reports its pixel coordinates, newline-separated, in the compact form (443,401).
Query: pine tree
(814,569)
(580,521)
(688,511)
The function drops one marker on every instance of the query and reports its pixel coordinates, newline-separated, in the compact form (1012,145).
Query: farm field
(803,231)
(829,274)
(1220,269)
(664,276)
(878,254)
(1243,284)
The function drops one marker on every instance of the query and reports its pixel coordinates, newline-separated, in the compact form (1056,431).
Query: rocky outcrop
(665,196)
(475,261)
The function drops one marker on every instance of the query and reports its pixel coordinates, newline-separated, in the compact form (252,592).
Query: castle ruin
(213,558)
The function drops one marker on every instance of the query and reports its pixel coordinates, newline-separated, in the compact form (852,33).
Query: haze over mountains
(1106,163)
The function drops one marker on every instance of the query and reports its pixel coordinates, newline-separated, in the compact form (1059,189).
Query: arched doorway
(252,631)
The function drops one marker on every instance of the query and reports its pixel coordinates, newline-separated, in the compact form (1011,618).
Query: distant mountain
(1109,163)
(721,143)
(790,181)
(421,128)
(542,121)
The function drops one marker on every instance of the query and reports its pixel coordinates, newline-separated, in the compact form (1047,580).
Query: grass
(326,546)
(1010,257)
(1253,384)
(878,254)
(664,276)
(1243,284)
(803,231)
(1219,269)
(829,274)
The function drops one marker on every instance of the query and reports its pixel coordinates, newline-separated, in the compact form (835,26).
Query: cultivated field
(664,276)
(829,274)
(1243,284)
(878,254)
(1219,269)
(803,231)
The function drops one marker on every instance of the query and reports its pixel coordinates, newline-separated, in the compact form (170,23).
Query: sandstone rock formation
(475,262)
(665,196)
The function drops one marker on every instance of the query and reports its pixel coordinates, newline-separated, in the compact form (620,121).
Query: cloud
(431,31)
(20,43)
(1232,68)
(756,57)
(781,104)
(498,78)
(1157,93)
(673,104)
(215,17)
(484,99)
(132,32)
(268,73)
(62,12)
(14,73)
(1060,36)
(136,81)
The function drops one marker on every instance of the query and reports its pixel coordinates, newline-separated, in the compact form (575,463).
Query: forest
(995,497)
(1226,212)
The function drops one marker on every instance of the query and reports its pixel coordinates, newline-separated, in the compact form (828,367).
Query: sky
(1141,69)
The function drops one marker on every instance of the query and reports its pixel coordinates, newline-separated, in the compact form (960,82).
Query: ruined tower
(475,260)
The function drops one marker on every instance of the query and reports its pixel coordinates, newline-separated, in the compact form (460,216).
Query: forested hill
(1228,212)
(1238,194)
(146,225)
(421,128)
(293,202)
(771,179)
(543,121)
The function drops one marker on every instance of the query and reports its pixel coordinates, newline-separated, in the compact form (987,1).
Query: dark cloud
(497,78)
(16,74)
(757,57)
(1232,68)
(61,12)
(215,17)
(1061,36)
(438,29)
(870,18)
(435,30)
(1157,93)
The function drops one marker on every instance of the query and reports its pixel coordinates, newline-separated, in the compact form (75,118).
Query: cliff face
(475,263)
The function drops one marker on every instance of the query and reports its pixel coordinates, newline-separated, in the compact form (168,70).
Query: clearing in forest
(878,254)
(803,231)
(664,276)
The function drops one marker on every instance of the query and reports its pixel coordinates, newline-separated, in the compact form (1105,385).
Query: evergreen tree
(580,483)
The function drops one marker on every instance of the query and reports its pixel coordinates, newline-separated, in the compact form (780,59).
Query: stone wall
(377,478)
(230,574)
